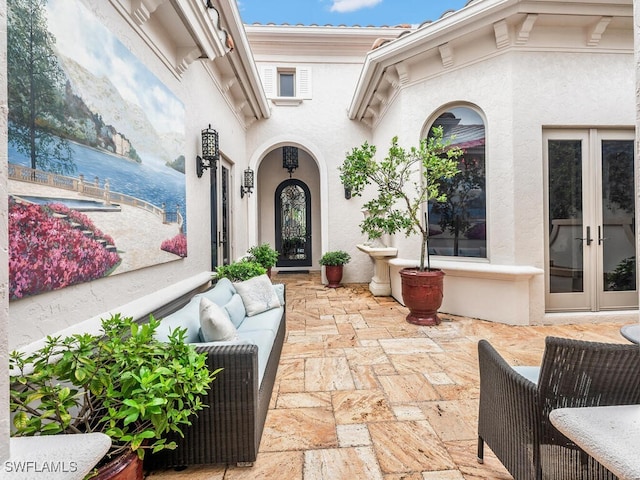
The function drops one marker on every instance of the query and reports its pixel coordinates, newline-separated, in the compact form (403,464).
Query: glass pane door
(293,224)
(591,262)
(616,236)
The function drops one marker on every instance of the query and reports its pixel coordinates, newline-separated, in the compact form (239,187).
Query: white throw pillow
(215,323)
(258,295)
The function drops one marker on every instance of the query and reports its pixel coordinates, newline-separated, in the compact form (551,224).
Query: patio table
(631,332)
(610,434)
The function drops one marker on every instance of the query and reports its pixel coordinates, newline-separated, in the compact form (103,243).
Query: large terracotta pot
(422,295)
(334,275)
(124,467)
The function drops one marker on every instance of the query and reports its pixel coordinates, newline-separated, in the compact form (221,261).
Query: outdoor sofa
(229,430)
(515,403)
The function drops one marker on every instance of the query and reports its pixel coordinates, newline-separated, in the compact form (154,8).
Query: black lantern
(290,159)
(210,152)
(247,183)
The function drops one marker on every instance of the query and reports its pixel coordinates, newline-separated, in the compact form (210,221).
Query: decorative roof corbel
(595,32)
(525,28)
(141,10)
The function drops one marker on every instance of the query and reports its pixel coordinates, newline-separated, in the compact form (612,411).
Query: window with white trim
(458,225)
(293,83)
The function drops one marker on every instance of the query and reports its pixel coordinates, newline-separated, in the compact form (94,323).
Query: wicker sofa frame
(229,430)
(514,412)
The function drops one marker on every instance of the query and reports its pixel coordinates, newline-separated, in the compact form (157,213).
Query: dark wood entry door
(293,224)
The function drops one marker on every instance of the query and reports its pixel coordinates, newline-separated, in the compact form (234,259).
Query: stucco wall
(518,93)
(321,127)
(45,314)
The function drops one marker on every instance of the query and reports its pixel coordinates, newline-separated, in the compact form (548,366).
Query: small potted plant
(124,383)
(240,271)
(407,179)
(333,263)
(264,255)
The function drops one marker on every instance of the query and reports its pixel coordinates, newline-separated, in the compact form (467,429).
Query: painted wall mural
(96,152)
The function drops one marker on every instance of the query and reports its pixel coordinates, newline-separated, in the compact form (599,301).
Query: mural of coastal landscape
(96,152)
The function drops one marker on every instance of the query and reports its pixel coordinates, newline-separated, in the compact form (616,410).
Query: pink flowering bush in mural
(48,249)
(176,245)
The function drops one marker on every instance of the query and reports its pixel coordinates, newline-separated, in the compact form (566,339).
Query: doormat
(286,272)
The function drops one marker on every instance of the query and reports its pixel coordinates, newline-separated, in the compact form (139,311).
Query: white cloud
(343,6)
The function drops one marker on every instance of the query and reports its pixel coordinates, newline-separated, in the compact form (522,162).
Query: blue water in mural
(148,181)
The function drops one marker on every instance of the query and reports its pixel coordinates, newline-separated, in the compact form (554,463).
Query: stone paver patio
(362,394)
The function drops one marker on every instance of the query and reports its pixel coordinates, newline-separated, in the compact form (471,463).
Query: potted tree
(407,179)
(123,383)
(333,263)
(264,255)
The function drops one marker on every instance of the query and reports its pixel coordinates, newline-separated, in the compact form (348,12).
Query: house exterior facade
(527,84)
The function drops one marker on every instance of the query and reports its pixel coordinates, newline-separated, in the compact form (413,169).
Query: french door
(590,227)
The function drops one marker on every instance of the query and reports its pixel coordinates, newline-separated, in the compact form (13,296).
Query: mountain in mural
(102,98)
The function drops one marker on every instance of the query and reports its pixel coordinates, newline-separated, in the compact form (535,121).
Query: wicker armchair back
(514,412)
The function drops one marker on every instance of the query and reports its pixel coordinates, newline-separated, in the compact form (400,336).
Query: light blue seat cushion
(221,293)
(269,320)
(279,288)
(187,317)
(235,310)
(264,340)
(530,373)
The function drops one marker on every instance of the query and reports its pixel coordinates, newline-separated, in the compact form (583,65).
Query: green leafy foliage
(334,258)
(406,179)
(264,255)
(241,270)
(124,383)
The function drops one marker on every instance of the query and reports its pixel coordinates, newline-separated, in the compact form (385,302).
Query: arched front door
(293,224)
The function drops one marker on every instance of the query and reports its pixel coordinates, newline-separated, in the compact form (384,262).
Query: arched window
(457,226)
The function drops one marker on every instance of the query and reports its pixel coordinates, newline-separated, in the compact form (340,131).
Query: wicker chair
(514,411)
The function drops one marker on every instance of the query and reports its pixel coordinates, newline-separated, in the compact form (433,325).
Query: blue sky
(345,12)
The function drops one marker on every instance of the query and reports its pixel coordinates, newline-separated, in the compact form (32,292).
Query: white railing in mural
(89,189)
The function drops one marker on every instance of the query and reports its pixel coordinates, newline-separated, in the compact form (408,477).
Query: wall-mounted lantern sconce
(290,159)
(347,192)
(247,183)
(210,151)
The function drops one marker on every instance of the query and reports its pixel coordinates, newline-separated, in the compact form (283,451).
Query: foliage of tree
(406,179)
(36,88)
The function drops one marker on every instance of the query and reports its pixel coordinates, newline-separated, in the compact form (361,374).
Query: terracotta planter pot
(334,275)
(422,293)
(124,467)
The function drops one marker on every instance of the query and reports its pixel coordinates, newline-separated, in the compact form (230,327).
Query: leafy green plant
(406,179)
(241,270)
(334,258)
(124,383)
(623,278)
(264,255)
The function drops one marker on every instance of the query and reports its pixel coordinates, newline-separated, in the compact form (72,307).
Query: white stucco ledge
(610,434)
(472,289)
(53,457)
(476,269)
(380,285)
(137,308)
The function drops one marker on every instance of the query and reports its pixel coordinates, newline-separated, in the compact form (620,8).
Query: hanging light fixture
(210,151)
(247,183)
(290,159)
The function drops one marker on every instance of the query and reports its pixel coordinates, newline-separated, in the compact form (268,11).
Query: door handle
(220,240)
(588,238)
(600,237)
